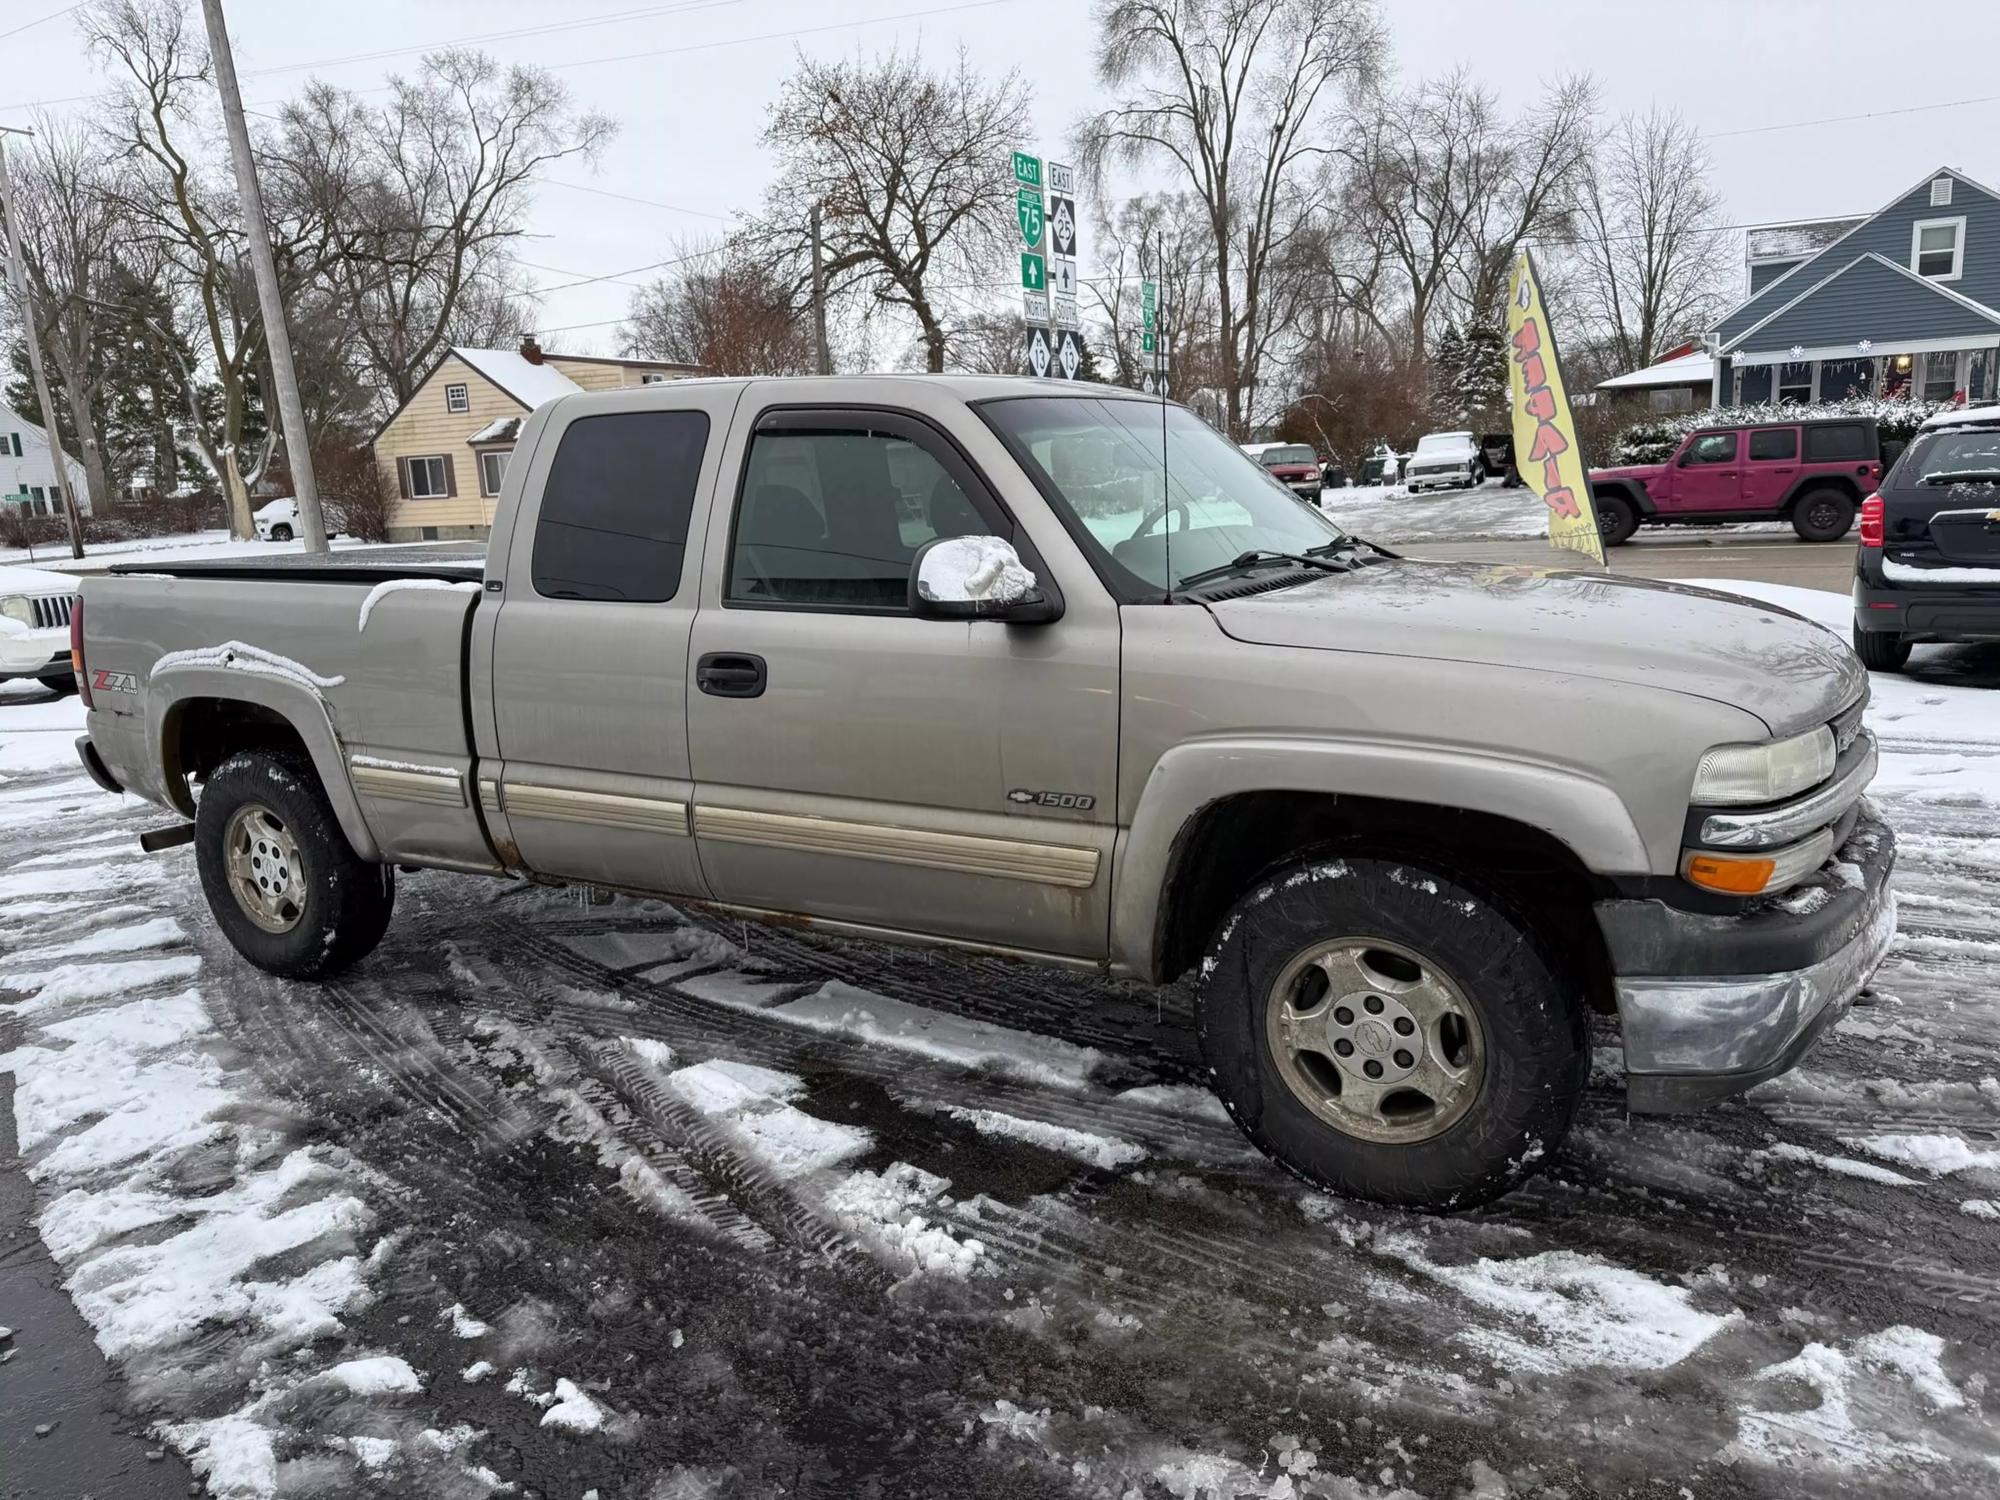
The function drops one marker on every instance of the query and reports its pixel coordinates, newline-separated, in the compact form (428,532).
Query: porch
(1965,368)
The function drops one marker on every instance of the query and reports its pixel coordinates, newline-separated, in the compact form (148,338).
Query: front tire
(1389,1031)
(286,887)
(1881,650)
(1822,516)
(1617,519)
(281,533)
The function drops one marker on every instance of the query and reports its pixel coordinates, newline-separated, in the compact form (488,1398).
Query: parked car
(1496,449)
(1029,722)
(1812,472)
(1332,476)
(34,627)
(1445,461)
(1928,567)
(1382,467)
(278,521)
(1294,465)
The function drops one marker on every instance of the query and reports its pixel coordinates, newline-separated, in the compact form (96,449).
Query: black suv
(1928,568)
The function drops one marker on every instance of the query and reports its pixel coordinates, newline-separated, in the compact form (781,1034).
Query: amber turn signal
(1729,874)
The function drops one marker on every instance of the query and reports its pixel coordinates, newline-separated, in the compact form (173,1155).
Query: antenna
(1166,490)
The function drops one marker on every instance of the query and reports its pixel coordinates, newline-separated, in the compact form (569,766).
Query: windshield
(1972,452)
(1152,526)
(1290,454)
(1444,442)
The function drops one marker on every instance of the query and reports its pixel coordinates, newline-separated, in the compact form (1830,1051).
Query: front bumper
(1710,1005)
(1456,479)
(40,653)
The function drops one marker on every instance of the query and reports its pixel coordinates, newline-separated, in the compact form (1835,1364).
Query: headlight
(18,607)
(1745,775)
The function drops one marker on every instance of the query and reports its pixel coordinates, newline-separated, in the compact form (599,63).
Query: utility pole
(17,271)
(277,334)
(825,360)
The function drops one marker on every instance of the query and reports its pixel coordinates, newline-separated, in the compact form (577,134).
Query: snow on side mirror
(974,578)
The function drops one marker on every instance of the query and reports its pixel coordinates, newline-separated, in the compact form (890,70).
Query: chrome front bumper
(1694,1031)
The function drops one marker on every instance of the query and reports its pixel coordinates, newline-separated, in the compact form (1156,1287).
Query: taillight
(1871,521)
(76,652)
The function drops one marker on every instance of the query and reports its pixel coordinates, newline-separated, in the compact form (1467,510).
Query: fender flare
(294,700)
(1582,813)
(1805,484)
(1627,490)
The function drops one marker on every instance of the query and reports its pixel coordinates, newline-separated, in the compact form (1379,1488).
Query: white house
(28,476)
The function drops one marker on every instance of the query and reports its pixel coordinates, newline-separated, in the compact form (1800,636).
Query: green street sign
(1028,169)
(1034,274)
(1148,343)
(1149,295)
(1028,210)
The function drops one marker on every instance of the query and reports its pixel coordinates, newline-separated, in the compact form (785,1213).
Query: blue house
(1902,302)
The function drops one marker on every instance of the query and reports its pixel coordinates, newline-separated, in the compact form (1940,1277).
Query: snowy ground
(558,1197)
(1492,512)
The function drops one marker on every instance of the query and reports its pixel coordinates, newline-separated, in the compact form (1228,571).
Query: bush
(1654,440)
(349,482)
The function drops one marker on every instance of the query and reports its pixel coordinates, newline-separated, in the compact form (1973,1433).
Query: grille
(52,611)
(1848,724)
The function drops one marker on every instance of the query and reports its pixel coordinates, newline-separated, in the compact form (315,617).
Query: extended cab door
(588,647)
(860,765)
(1708,474)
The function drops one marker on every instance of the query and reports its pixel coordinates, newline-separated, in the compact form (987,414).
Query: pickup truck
(1051,671)
(1813,473)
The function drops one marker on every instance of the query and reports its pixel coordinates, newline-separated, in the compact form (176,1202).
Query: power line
(578,187)
(51,16)
(1873,114)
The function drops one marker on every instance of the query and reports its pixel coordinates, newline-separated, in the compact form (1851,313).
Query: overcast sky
(690,81)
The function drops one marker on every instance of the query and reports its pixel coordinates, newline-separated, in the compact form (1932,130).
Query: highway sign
(1069,353)
(1065,311)
(1062,180)
(1028,169)
(1035,306)
(1146,383)
(1039,353)
(1062,276)
(1062,225)
(1149,342)
(1149,295)
(1028,213)
(1034,275)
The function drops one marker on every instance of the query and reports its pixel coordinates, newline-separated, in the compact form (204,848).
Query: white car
(278,520)
(35,608)
(1445,461)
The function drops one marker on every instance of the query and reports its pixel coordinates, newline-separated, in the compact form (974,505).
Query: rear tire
(1822,516)
(286,887)
(1617,519)
(1881,650)
(1476,1042)
(61,684)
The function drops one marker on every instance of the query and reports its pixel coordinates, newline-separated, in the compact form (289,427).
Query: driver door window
(833,520)
(1712,448)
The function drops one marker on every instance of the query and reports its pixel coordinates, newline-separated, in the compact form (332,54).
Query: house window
(1795,383)
(1937,248)
(457,398)
(1940,376)
(492,469)
(653,377)
(1941,192)
(13,438)
(428,480)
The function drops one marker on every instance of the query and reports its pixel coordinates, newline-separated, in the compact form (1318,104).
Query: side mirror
(975,578)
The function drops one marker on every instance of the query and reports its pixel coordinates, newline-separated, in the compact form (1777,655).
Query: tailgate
(1969,537)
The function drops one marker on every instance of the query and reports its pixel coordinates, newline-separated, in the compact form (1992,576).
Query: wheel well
(204,732)
(1840,484)
(1232,842)
(1619,489)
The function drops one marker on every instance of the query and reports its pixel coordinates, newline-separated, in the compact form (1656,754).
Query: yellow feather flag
(1545,448)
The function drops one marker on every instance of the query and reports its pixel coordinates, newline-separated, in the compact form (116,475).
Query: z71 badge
(1068,801)
(113,682)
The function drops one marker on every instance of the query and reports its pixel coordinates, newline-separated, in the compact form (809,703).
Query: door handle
(725,674)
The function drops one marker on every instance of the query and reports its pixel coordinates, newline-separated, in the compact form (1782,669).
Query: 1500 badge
(1068,801)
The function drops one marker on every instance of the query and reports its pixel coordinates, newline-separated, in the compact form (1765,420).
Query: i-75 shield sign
(1028,210)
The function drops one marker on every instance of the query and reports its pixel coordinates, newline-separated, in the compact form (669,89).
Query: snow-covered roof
(1797,239)
(499,430)
(1959,416)
(1685,369)
(528,383)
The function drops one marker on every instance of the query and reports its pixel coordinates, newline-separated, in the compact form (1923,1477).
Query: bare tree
(429,194)
(1165,238)
(990,344)
(722,308)
(1449,188)
(1651,264)
(910,169)
(70,231)
(1230,95)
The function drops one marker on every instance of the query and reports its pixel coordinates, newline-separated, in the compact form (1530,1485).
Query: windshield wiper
(1253,558)
(1963,476)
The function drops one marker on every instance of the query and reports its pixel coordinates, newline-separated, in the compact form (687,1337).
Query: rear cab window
(613,522)
(1773,443)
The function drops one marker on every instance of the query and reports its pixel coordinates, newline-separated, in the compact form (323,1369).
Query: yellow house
(443,452)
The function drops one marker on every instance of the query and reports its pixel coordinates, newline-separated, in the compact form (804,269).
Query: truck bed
(457,563)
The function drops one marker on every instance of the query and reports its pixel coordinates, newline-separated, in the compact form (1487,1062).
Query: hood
(1630,471)
(1296,471)
(1781,667)
(35,581)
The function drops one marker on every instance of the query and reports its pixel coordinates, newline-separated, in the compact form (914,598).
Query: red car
(1812,472)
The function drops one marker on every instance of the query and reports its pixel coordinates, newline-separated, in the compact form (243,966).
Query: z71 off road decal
(113,682)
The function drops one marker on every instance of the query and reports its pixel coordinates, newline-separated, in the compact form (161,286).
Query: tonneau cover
(361,565)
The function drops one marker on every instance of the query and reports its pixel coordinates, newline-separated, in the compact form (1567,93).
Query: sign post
(1546,453)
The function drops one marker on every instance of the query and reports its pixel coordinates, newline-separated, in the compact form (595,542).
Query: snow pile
(1981,1208)
(883,1209)
(1094,1150)
(1939,1155)
(750,1100)
(1846,1166)
(573,1409)
(377,1375)
(973,569)
(1571,1311)
(1873,1400)
(237,656)
(947,1038)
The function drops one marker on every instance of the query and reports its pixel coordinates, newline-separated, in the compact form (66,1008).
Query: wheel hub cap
(1375,1039)
(266,874)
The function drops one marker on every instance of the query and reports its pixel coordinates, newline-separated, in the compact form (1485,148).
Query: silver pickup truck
(1051,671)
